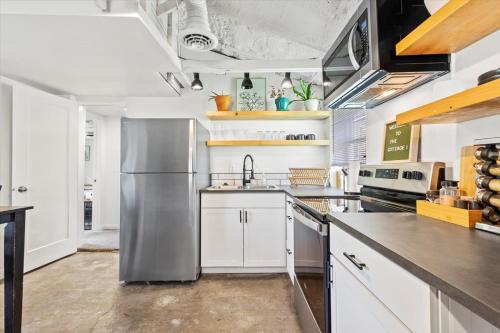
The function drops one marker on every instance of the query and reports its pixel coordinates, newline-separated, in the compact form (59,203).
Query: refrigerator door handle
(192,146)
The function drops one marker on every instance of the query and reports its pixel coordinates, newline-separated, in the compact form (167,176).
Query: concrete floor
(81,294)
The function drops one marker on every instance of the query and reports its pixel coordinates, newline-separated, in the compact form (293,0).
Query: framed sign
(251,99)
(400,143)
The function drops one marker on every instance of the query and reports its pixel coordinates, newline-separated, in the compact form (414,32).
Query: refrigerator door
(159,227)
(158,145)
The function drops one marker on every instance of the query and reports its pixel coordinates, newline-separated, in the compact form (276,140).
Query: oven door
(311,275)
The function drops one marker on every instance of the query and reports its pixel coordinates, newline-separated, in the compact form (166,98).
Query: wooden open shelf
(478,102)
(222,143)
(453,27)
(268,115)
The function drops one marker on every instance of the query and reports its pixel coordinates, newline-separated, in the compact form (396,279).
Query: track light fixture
(246,83)
(287,81)
(196,84)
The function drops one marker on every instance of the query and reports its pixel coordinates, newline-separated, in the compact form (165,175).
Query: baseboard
(110,227)
(242,270)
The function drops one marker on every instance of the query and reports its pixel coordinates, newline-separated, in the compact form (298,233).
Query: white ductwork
(197,35)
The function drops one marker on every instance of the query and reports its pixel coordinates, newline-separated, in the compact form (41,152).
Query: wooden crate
(463,217)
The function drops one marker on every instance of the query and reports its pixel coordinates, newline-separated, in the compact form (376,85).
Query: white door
(265,237)
(221,237)
(356,309)
(45,172)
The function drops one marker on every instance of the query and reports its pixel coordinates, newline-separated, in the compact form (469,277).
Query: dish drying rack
(309,176)
(321,205)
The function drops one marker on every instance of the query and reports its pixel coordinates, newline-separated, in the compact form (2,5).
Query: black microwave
(361,69)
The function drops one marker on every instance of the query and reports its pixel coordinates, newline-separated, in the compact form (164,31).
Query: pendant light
(287,81)
(196,84)
(326,81)
(246,83)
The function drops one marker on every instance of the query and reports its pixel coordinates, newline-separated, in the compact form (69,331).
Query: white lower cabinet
(250,237)
(401,294)
(221,237)
(355,309)
(455,318)
(264,240)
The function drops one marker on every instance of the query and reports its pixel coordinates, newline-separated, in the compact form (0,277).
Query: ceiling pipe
(197,35)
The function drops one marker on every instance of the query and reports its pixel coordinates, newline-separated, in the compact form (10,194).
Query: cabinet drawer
(243,200)
(408,297)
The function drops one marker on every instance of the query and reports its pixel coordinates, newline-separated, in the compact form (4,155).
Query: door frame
(96,154)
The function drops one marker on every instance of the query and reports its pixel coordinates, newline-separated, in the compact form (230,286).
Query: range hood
(362,69)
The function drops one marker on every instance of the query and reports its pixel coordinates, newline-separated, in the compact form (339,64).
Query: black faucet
(247,181)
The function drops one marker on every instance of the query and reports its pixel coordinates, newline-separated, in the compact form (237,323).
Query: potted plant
(306,96)
(222,101)
(280,100)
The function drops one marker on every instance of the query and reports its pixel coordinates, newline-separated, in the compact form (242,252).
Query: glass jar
(448,193)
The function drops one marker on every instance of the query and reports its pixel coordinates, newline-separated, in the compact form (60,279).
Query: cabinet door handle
(241,216)
(289,202)
(288,251)
(356,262)
(246,216)
(289,218)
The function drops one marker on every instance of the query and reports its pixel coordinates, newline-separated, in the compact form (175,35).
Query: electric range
(385,188)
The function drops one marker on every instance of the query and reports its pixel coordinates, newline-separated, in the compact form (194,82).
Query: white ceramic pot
(312,104)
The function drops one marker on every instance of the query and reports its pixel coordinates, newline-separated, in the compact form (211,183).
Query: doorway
(96,235)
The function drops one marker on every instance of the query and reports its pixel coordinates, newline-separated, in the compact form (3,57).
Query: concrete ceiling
(277,29)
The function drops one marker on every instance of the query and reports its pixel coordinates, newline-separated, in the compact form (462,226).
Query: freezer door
(158,145)
(159,228)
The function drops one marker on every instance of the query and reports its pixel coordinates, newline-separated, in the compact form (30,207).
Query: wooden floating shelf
(453,27)
(478,102)
(268,115)
(222,143)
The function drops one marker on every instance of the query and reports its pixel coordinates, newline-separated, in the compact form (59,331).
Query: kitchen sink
(242,188)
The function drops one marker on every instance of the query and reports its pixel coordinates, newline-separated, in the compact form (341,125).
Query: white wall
(5,154)
(442,142)
(230,159)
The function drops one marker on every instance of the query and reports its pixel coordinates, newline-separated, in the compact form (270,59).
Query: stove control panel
(422,176)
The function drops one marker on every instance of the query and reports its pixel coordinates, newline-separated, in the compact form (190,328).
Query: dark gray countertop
(463,263)
(299,191)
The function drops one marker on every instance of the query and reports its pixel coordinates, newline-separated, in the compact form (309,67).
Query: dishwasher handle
(303,217)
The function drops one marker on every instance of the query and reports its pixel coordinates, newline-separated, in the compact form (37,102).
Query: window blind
(349,136)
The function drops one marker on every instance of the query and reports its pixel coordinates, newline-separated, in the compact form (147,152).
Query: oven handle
(399,207)
(309,221)
(352,57)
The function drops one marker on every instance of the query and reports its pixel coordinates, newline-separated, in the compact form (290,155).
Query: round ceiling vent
(198,40)
(197,35)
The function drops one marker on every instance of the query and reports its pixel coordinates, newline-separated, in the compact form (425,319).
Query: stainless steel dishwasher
(311,287)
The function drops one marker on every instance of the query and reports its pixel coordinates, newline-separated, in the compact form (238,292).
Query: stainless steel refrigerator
(164,163)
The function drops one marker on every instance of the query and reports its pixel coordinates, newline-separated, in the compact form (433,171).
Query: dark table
(13,265)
